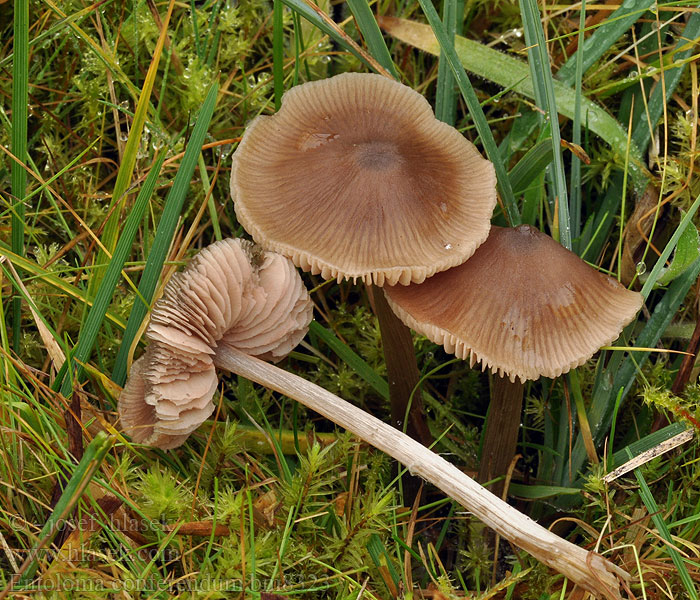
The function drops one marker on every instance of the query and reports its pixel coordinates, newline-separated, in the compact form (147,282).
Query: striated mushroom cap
(523,305)
(232,292)
(355,178)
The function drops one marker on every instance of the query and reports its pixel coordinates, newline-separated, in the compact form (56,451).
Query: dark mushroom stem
(500,436)
(589,570)
(402,371)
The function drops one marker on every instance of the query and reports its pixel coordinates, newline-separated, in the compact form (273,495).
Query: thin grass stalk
(660,96)
(278,51)
(641,136)
(350,358)
(546,99)
(105,57)
(126,169)
(312,13)
(211,206)
(625,370)
(53,280)
(686,221)
(589,570)
(96,313)
(94,454)
(575,187)
(195,30)
(373,36)
(475,110)
(584,426)
(602,39)
(20,98)
(446,95)
(657,518)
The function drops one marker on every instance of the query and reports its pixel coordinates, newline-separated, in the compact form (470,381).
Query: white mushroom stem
(589,570)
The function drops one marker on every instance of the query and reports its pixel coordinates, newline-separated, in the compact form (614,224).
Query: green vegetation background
(116,144)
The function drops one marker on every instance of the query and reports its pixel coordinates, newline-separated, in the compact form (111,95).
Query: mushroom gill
(232,292)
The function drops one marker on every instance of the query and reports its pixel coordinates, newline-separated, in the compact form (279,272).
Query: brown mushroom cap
(231,292)
(355,177)
(523,306)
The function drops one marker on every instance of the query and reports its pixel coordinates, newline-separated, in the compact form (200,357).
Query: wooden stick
(589,570)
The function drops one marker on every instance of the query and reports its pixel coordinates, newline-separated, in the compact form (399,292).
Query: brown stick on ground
(587,569)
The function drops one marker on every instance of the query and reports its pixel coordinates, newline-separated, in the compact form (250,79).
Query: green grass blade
(653,510)
(20,98)
(477,114)
(373,36)
(546,99)
(95,316)
(313,17)
(646,443)
(640,138)
(353,360)
(603,220)
(658,269)
(195,29)
(382,560)
(575,187)
(446,94)
(528,168)
(164,233)
(206,185)
(126,168)
(686,253)
(87,467)
(537,492)
(608,33)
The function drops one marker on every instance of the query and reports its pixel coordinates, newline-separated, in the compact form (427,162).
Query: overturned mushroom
(355,177)
(231,293)
(195,320)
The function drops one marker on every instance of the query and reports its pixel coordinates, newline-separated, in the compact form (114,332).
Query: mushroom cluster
(355,178)
(231,293)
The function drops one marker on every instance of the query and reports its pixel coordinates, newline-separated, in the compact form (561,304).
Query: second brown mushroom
(523,306)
